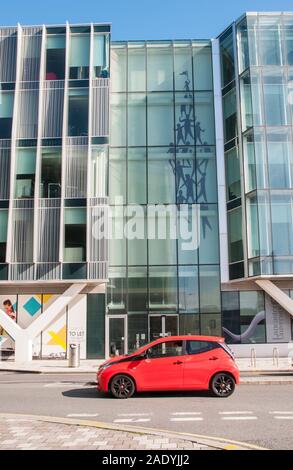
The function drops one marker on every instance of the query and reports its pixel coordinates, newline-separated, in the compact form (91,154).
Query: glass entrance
(117,335)
(161,326)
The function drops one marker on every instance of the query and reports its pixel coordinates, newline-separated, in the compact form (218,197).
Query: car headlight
(103,367)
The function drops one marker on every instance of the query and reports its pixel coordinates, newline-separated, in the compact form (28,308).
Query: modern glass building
(125,136)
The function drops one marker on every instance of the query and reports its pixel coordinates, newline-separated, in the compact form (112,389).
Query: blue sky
(139,19)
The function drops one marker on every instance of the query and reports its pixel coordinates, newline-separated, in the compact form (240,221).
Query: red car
(172,363)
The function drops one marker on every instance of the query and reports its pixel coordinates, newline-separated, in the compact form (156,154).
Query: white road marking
(240,418)
(187,419)
(132,420)
(283,417)
(281,412)
(235,412)
(184,413)
(82,415)
(134,414)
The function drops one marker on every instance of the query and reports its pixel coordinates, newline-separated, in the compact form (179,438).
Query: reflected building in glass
(91,130)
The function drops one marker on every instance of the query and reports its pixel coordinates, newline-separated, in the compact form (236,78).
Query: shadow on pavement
(93,393)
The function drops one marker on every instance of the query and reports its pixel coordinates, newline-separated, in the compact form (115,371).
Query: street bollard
(74,355)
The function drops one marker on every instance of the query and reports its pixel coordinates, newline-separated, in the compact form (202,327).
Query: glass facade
(162,151)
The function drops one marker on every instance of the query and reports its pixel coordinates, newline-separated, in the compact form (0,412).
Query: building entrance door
(161,326)
(116,334)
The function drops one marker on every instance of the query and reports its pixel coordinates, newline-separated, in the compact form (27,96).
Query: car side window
(166,349)
(198,347)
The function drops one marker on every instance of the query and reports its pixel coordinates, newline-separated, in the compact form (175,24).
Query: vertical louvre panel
(53,108)
(76,167)
(22,231)
(98,239)
(21,272)
(27,120)
(8,50)
(31,54)
(48,230)
(100,107)
(4,168)
(48,271)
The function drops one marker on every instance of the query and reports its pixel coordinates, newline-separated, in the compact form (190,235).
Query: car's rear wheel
(122,386)
(222,385)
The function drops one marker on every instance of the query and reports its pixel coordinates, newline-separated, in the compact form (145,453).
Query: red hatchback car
(172,363)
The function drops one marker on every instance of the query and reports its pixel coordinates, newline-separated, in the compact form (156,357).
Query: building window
(227,58)
(25,173)
(3,234)
(55,57)
(51,173)
(75,235)
(79,56)
(6,114)
(78,109)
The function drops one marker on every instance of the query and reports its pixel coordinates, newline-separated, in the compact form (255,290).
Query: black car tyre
(122,386)
(222,385)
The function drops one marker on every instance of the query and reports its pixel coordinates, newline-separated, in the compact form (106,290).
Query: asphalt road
(256,414)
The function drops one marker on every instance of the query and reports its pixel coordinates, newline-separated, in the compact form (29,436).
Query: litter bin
(74,355)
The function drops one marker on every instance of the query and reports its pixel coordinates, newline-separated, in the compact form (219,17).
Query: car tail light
(228,350)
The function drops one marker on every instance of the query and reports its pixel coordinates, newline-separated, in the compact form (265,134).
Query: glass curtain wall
(162,151)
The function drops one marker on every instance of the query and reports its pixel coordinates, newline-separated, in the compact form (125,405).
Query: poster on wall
(54,338)
(76,329)
(278,322)
(6,342)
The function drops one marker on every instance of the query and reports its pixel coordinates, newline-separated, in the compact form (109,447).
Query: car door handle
(214,358)
(178,362)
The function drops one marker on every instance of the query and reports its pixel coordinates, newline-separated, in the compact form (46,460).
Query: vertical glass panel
(50,184)
(252,226)
(211,325)
(3,234)
(136,180)
(280,158)
(162,288)
(118,120)
(230,115)
(28,112)
(101,55)
(76,168)
(188,234)
(136,123)
(231,316)
(275,100)
(246,102)
(4,172)
(206,174)
(99,172)
(227,58)
(31,55)
(235,235)
(136,67)
(252,304)
(137,289)
(119,68)
(210,301)
(6,114)
(79,56)
(233,184)
(116,290)
(204,119)
(160,119)
(78,109)
(55,57)
(162,235)
(53,102)
(185,120)
(136,232)
(188,289)
(8,51)
(160,67)
(282,224)
(117,244)
(264,216)
(161,179)
(288,33)
(256,175)
(202,67)
(189,324)
(270,40)
(183,67)
(117,174)
(256,97)
(243,47)
(209,236)
(185,169)
(137,331)
(25,173)
(75,235)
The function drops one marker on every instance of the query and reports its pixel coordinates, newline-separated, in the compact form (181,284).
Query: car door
(162,369)
(201,361)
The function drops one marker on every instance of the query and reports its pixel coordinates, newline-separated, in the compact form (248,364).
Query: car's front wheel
(122,386)
(222,385)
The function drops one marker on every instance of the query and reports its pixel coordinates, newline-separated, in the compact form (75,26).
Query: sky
(140,19)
